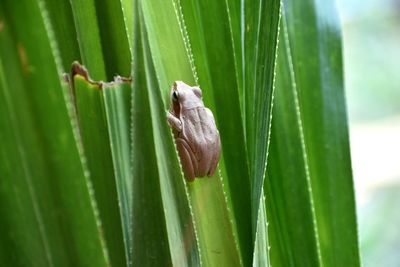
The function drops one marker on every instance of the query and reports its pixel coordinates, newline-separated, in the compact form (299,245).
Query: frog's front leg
(174,122)
(188,159)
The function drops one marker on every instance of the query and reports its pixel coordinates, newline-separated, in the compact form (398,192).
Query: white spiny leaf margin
(128,34)
(236,66)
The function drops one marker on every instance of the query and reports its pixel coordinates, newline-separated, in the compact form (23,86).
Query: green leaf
(89,39)
(260,33)
(105,50)
(163,232)
(260,21)
(292,228)
(103,111)
(61,29)
(128,15)
(112,192)
(41,169)
(234,9)
(95,139)
(311,120)
(183,241)
(261,249)
(114,38)
(171,58)
(117,102)
(326,131)
(214,58)
(149,235)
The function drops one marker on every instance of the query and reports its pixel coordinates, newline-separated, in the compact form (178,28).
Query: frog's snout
(174,85)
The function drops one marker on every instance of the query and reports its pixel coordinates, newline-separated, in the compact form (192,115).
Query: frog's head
(184,97)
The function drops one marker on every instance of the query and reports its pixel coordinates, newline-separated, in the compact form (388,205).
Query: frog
(195,132)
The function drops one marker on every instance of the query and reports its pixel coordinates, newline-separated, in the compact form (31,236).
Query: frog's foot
(212,170)
(174,122)
(215,159)
(187,159)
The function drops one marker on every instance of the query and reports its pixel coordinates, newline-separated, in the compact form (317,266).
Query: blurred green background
(371,40)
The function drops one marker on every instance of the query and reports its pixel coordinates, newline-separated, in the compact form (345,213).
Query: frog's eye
(175,96)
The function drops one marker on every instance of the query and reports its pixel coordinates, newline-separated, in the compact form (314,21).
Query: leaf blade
(335,217)
(92,120)
(117,102)
(147,234)
(89,39)
(172,61)
(214,58)
(47,142)
(316,68)
(290,205)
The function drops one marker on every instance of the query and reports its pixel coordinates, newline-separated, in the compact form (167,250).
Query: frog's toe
(215,159)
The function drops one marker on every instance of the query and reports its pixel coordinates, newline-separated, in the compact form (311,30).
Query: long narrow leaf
(292,228)
(89,39)
(260,21)
(41,170)
(260,46)
(128,14)
(61,25)
(261,255)
(213,54)
(117,102)
(184,246)
(149,234)
(317,67)
(105,51)
(172,62)
(95,138)
(114,38)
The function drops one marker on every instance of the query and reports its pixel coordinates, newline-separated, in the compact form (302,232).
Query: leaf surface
(41,168)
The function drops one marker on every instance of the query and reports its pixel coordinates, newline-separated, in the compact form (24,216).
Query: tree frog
(195,132)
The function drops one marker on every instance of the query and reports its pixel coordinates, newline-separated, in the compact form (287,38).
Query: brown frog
(196,135)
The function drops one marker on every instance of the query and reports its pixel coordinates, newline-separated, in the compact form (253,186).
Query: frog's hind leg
(187,159)
(215,159)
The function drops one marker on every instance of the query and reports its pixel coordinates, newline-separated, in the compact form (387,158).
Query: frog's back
(202,136)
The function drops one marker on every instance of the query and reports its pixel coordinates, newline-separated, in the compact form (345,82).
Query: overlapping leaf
(213,55)
(41,169)
(162,182)
(172,62)
(292,227)
(134,207)
(310,128)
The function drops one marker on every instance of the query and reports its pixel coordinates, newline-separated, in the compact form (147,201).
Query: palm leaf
(172,62)
(41,167)
(95,172)
(314,133)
